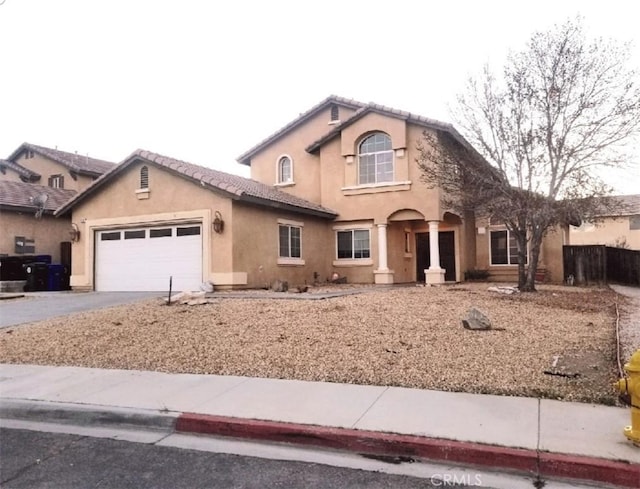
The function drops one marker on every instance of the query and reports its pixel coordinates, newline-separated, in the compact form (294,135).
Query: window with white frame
(504,248)
(375,159)
(354,244)
(56,181)
(290,238)
(285,170)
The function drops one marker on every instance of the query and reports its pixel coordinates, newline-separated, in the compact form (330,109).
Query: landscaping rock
(504,290)
(206,287)
(280,285)
(476,320)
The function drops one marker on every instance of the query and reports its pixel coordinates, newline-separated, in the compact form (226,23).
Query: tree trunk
(521,239)
(530,283)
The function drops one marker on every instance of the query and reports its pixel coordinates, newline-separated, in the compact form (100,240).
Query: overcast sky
(204,81)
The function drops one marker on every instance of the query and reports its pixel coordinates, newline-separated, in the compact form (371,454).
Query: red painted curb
(376,443)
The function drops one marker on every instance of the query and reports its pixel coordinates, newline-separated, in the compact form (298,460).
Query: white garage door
(143,259)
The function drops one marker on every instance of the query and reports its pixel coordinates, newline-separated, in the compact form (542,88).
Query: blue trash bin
(55,277)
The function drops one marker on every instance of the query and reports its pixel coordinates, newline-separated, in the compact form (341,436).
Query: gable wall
(10,175)
(306,167)
(340,191)
(170,199)
(46,167)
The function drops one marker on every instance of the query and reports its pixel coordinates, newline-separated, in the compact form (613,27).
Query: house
(617,229)
(335,191)
(35,179)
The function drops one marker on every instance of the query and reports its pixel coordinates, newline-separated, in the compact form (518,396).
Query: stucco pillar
(382,275)
(434,274)
(382,247)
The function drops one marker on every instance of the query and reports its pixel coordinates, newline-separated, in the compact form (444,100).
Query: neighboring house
(337,190)
(22,232)
(619,230)
(30,175)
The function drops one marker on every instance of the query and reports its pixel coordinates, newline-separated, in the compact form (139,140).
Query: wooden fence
(599,264)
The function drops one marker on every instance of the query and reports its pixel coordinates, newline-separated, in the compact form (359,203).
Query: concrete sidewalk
(552,438)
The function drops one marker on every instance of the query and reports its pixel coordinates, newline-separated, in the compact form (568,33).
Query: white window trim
(291,180)
(353,225)
(353,261)
(393,161)
(289,260)
(497,229)
(376,185)
(289,222)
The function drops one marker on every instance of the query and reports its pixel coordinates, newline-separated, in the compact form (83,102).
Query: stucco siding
(611,231)
(256,246)
(48,232)
(46,168)
(306,167)
(10,176)
(170,199)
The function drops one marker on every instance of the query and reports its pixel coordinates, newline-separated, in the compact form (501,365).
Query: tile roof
(245,158)
(19,196)
(236,187)
(83,165)
(391,112)
(20,170)
(629,205)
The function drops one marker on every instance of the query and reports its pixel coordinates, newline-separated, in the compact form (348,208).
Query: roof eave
(287,207)
(245,158)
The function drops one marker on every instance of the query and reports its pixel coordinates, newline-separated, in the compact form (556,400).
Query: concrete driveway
(37,306)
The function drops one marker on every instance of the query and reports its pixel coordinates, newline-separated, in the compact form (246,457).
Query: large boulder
(476,320)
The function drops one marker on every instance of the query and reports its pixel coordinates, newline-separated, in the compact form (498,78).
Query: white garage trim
(89,228)
(149,258)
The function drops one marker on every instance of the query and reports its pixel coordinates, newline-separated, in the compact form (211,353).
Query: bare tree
(563,109)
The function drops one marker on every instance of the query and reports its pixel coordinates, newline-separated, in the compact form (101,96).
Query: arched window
(375,159)
(144,177)
(285,170)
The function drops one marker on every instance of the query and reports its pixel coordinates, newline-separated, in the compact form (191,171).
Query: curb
(530,462)
(87,415)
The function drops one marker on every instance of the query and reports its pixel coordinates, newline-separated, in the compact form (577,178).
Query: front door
(446,243)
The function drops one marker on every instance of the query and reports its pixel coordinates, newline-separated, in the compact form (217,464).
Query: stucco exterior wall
(8,175)
(256,246)
(550,255)
(170,199)
(341,193)
(306,167)
(48,232)
(46,168)
(611,231)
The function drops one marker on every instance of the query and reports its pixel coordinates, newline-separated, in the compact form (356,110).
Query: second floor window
(56,181)
(285,170)
(375,159)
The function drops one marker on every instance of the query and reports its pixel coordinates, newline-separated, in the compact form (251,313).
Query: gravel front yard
(410,336)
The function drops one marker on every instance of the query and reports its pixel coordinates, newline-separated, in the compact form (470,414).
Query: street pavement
(534,436)
(38,306)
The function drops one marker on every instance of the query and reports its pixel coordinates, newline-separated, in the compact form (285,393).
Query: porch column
(434,274)
(382,275)
(382,247)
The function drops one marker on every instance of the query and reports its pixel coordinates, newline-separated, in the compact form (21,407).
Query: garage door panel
(146,263)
